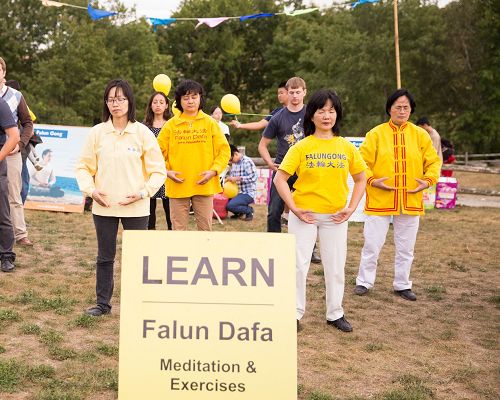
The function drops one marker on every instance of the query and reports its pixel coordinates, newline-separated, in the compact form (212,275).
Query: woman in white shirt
(216,113)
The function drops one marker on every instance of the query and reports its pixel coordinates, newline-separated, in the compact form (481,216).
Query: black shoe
(315,258)
(341,324)
(298,326)
(7,266)
(247,217)
(235,216)
(406,294)
(360,290)
(97,311)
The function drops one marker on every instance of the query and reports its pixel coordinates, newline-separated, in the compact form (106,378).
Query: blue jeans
(240,204)
(276,206)
(25,176)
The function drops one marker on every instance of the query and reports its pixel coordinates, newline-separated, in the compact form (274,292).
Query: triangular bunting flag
(98,14)
(301,12)
(211,22)
(255,16)
(49,3)
(161,21)
(357,3)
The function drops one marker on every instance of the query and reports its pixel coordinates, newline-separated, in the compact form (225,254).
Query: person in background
(244,173)
(262,124)
(401,163)
(157,113)
(21,115)
(287,127)
(282,95)
(120,167)
(9,139)
(435,138)
(322,161)
(28,151)
(216,113)
(195,152)
(448,156)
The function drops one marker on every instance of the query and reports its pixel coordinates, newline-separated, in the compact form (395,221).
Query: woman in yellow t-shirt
(322,161)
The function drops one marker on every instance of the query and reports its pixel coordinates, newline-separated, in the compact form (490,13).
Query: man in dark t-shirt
(9,137)
(259,125)
(287,126)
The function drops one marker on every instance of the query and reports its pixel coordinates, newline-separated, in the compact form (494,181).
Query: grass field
(478,181)
(443,346)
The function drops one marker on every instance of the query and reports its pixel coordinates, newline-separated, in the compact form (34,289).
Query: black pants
(107,230)
(152,213)
(6,230)
(276,206)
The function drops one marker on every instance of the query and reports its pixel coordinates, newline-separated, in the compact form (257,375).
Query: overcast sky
(165,8)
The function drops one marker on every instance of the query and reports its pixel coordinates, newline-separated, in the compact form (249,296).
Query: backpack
(447,149)
(220,203)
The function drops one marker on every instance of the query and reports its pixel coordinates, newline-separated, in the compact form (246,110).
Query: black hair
(126,91)
(149,115)
(45,152)
(13,84)
(282,85)
(396,95)
(317,101)
(214,108)
(422,121)
(185,87)
(234,149)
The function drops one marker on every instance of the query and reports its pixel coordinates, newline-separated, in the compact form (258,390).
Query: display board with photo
(53,184)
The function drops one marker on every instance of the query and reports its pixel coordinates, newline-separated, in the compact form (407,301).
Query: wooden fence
(488,159)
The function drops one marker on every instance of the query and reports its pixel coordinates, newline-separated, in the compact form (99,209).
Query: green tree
(474,60)
(450,59)
(228,58)
(25,31)
(68,82)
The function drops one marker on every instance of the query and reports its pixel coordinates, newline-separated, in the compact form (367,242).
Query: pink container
(446,192)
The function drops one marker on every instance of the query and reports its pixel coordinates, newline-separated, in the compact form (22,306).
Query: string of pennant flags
(211,22)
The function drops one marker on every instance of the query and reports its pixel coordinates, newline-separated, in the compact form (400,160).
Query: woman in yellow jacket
(401,163)
(196,152)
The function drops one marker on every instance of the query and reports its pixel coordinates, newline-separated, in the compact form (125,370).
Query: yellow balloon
(175,110)
(162,83)
(32,115)
(230,189)
(230,104)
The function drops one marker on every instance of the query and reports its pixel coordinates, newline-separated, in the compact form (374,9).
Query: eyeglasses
(399,108)
(118,100)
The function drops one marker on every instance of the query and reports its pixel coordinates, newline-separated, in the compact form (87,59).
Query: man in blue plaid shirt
(244,174)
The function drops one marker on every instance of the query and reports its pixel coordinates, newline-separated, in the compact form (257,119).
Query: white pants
(333,250)
(375,232)
(14,167)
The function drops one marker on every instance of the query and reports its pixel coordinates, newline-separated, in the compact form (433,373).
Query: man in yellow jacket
(401,163)
(195,152)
